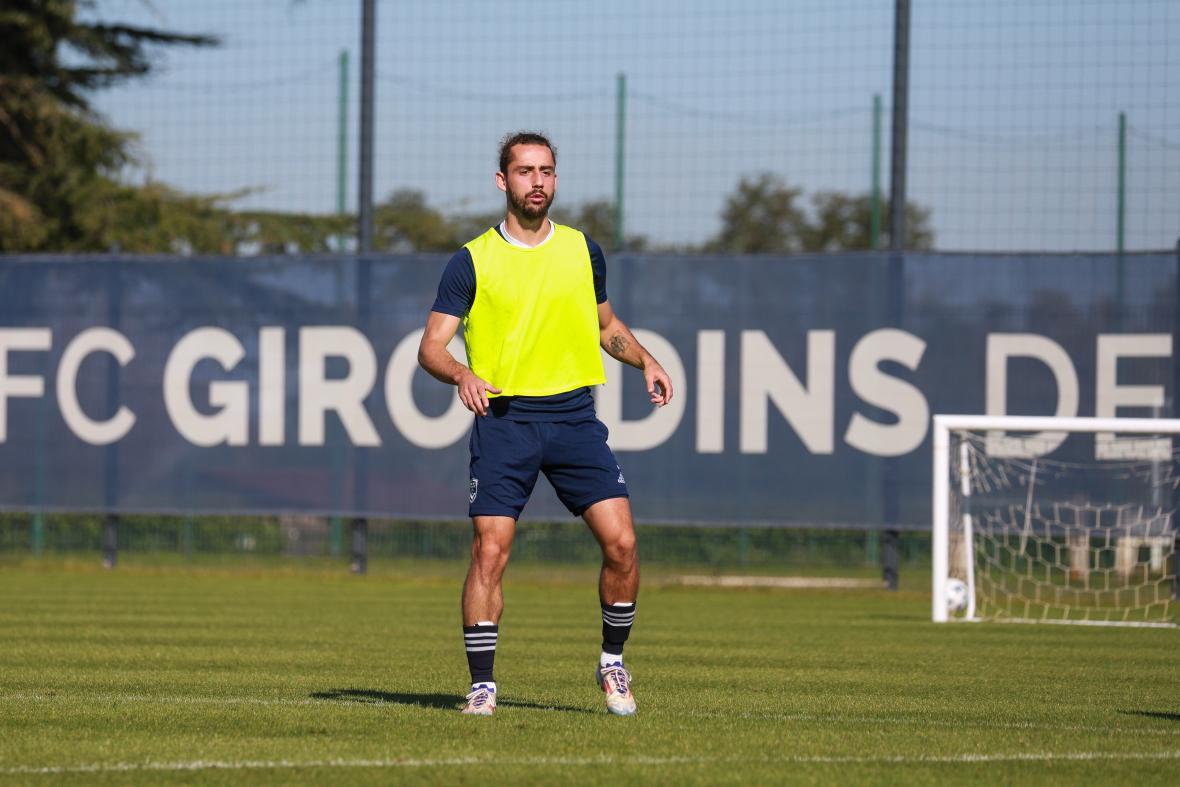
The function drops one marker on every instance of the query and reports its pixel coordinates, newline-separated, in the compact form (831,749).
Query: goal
(1056,520)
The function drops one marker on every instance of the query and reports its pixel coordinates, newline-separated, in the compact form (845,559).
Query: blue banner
(805,384)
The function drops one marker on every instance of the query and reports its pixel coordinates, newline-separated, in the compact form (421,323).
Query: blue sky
(1014,106)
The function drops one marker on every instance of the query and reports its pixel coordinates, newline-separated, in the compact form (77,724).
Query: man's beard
(527,210)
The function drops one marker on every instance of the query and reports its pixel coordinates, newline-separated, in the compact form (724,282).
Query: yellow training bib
(533,328)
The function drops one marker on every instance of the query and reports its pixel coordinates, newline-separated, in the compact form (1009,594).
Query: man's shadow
(442,701)
(1152,714)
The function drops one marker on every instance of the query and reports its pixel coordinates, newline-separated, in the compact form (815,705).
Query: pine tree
(58,157)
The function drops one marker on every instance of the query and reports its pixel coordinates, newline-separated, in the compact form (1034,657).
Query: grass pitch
(304,675)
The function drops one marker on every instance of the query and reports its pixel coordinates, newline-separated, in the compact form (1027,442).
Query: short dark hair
(523,138)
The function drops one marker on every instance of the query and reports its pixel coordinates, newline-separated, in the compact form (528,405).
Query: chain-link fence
(292,540)
(1034,125)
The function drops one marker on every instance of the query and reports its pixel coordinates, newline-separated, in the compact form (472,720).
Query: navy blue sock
(480,642)
(616,625)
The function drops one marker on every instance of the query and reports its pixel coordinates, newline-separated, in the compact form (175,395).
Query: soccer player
(532,298)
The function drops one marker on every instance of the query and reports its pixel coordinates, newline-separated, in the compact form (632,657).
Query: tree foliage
(60,165)
(59,159)
(764,214)
(597,219)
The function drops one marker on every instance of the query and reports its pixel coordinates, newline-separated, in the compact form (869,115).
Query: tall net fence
(284,540)
(747,126)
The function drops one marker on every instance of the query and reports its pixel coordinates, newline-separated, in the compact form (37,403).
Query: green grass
(306,674)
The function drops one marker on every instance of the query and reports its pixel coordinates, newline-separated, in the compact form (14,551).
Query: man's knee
(489,552)
(619,550)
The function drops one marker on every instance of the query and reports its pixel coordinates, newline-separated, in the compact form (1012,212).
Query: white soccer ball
(956,595)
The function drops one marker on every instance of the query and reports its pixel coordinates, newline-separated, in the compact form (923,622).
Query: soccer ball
(956,595)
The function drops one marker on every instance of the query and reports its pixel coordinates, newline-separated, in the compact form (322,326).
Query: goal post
(1055,520)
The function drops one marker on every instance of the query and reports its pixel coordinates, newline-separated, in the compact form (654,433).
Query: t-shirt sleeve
(456,290)
(598,264)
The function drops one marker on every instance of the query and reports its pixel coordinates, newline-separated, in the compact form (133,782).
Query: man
(532,298)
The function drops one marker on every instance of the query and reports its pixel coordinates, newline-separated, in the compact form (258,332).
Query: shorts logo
(473,490)
(621,480)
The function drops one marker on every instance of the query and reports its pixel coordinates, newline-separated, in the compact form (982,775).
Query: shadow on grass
(443,701)
(1152,714)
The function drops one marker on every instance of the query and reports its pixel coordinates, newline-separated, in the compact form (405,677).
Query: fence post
(364,208)
(360,545)
(110,540)
(1175,414)
(360,475)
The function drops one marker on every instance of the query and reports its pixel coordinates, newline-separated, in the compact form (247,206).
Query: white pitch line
(144,698)
(793,583)
(956,723)
(949,759)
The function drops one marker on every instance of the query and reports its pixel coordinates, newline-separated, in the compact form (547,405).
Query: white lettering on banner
(272,385)
(765,378)
(1001,347)
(1109,395)
(230,424)
(889,393)
(710,392)
(807,403)
(346,396)
(658,425)
(89,341)
(422,430)
(29,385)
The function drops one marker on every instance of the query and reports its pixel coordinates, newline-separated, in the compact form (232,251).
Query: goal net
(1055,520)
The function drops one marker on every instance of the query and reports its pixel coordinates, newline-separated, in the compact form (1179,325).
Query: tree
(843,222)
(404,222)
(58,158)
(763,215)
(597,219)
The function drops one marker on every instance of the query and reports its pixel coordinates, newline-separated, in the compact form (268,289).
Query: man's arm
(434,357)
(620,344)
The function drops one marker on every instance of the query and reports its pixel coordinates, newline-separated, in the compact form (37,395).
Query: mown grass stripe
(950,759)
(799,717)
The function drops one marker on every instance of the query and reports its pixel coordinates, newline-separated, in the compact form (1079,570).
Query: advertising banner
(805,385)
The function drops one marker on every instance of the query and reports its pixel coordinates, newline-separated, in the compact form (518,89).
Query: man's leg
(483,596)
(610,522)
(483,603)
(618,589)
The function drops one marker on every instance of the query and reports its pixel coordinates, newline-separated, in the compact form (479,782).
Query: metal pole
(891,537)
(900,127)
(875,194)
(342,135)
(360,525)
(110,541)
(40,460)
(365,173)
(1122,197)
(620,141)
(1122,212)
(111,452)
(1176,414)
(360,545)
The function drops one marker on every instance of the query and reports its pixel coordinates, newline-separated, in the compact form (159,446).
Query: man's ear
(501,182)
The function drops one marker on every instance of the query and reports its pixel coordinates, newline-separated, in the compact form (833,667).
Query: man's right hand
(473,392)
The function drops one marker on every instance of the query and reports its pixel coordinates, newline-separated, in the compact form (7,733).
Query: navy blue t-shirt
(456,294)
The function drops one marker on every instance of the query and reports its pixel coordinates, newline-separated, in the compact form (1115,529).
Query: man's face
(530,182)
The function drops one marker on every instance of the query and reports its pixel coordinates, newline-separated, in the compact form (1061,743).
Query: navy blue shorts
(507,455)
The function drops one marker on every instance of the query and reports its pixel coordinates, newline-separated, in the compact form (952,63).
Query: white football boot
(480,702)
(616,682)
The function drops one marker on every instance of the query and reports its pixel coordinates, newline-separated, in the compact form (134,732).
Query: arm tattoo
(618,345)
